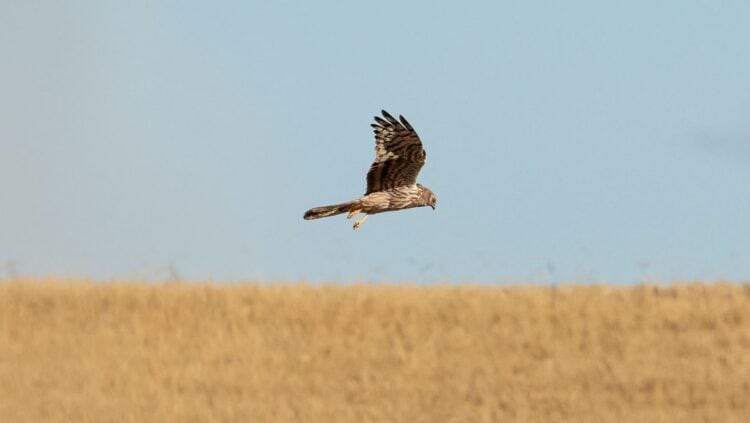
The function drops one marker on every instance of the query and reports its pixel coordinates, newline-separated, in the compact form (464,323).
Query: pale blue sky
(567,141)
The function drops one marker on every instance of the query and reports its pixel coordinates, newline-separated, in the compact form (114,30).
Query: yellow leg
(353,213)
(358,223)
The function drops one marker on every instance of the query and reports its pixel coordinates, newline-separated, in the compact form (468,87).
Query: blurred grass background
(74,350)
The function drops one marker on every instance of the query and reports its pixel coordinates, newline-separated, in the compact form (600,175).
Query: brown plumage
(392,178)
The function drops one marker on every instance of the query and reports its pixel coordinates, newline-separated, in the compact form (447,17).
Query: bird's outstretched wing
(399,155)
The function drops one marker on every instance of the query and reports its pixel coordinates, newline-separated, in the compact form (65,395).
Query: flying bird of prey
(392,178)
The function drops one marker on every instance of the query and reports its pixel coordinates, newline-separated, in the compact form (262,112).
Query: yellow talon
(358,223)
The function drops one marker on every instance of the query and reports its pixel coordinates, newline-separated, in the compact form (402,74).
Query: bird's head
(428,197)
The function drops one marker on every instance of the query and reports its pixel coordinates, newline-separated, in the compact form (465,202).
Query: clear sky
(567,141)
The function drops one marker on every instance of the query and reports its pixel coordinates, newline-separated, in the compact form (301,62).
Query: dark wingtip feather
(405,122)
(390,118)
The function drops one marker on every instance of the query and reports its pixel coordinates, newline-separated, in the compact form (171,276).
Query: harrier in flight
(392,178)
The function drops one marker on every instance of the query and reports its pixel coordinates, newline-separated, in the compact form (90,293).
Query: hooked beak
(433,206)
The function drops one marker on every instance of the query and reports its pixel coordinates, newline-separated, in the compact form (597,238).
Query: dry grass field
(76,351)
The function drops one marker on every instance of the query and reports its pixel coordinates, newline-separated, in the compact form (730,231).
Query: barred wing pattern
(399,155)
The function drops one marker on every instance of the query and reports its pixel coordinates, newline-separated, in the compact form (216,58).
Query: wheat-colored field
(76,351)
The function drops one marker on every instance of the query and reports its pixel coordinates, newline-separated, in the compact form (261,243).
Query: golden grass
(133,352)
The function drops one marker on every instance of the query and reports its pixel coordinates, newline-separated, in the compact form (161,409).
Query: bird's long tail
(325,211)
